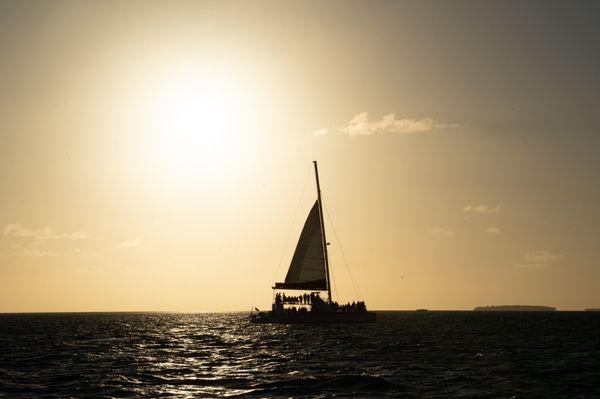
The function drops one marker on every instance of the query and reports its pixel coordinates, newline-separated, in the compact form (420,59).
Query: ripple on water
(407,354)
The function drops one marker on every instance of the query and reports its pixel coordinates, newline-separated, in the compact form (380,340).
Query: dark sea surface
(404,354)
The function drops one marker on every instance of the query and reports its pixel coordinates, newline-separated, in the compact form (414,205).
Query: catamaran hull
(313,318)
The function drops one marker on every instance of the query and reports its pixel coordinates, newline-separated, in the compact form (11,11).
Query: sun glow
(199,124)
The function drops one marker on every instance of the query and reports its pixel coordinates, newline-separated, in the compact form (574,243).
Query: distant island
(592,310)
(512,308)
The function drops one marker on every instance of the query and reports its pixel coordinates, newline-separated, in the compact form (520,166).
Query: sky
(157,156)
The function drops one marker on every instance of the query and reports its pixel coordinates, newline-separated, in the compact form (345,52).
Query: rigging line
(331,279)
(342,252)
(335,290)
(295,216)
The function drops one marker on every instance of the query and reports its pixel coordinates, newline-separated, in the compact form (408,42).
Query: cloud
(543,256)
(130,243)
(481,209)
(17,230)
(35,252)
(42,233)
(320,132)
(539,260)
(78,235)
(33,241)
(442,231)
(493,230)
(360,125)
(34,249)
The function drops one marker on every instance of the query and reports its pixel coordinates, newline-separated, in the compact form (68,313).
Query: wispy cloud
(85,254)
(130,243)
(538,260)
(481,209)
(42,233)
(493,230)
(17,230)
(320,132)
(360,125)
(78,235)
(34,249)
(543,256)
(35,252)
(442,231)
(32,242)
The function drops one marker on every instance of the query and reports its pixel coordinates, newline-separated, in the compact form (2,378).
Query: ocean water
(404,354)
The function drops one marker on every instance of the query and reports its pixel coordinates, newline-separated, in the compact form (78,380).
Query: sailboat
(309,274)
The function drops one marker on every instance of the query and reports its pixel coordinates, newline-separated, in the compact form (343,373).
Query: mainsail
(308,270)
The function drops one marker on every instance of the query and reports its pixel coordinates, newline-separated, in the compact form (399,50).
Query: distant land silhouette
(512,308)
(592,310)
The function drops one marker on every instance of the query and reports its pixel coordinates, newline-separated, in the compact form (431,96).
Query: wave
(446,354)
(309,386)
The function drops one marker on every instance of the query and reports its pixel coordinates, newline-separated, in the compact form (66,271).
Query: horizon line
(246,311)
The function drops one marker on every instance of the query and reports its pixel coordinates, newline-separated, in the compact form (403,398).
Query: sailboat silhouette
(309,272)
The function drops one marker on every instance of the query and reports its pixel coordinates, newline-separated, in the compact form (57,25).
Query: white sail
(307,269)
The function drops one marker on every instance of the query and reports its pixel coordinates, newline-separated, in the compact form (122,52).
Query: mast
(323,231)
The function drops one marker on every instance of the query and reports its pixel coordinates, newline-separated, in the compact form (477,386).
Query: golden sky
(158,155)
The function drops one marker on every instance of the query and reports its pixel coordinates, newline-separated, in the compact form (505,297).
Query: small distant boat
(309,273)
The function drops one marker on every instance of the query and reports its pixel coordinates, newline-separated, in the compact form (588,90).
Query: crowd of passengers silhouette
(315,301)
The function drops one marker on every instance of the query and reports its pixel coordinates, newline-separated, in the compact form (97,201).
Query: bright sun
(199,124)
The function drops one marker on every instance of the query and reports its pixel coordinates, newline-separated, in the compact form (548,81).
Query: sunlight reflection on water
(214,355)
